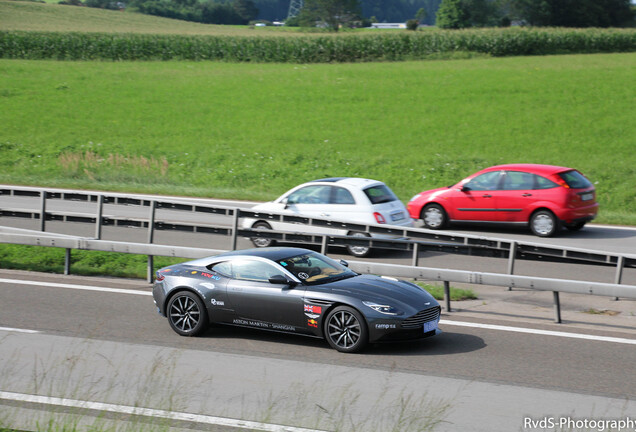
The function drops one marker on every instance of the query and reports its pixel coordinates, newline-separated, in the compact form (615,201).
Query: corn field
(313,49)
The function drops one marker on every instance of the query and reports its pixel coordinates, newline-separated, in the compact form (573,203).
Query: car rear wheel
(543,223)
(359,251)
(261,241)
(575,226)
(346,330)
(187,314)
(434,216)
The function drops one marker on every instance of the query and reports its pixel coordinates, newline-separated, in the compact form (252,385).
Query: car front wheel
(434,216)
(543,223)
(187,314)
(346,330)
(262,241)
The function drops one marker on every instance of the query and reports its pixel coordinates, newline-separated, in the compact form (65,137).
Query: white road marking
(540,332)
(442,322)
(149,412)
(17,330)
(73,286)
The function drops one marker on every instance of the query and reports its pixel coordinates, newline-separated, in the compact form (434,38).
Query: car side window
(544,183)
(253,270)
(517,180)
(342,196)
(223,268)
(485,181)
(316,194)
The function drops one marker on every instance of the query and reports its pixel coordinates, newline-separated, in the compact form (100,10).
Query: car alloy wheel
(543,223)
(186,314)
(434,216)
(346,330)
(262,241)
(359,251)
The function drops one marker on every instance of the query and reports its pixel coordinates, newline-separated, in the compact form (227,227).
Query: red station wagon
(544,197)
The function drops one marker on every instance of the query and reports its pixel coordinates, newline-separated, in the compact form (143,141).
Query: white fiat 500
(345,199)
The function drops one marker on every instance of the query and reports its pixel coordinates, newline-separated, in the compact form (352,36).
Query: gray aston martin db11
(296,291)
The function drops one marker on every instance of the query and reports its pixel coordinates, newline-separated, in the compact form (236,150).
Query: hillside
(30,16)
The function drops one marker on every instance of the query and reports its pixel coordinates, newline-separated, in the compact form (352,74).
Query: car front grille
(421,317)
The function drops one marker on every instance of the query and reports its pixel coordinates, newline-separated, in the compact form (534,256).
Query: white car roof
(349,181)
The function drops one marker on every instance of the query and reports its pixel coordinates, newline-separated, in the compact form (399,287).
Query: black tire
(261,241)
(346,330)
(434,217)
(575,226)
(358,251)
(543,223)
(186,314)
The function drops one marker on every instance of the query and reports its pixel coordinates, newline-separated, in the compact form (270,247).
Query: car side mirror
(465,189)
(344,263)
(280,279)
(285,202)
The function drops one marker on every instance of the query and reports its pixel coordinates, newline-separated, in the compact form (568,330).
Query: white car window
(316,194)
(342,196)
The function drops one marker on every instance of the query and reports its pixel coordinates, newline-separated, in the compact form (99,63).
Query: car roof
(534,168)
(349,181)
(272,253)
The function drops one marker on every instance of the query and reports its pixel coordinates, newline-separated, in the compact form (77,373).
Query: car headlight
(385,309)
(414,197)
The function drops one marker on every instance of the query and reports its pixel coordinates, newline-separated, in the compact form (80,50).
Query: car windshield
(575,179)
(313,268)
(380,194)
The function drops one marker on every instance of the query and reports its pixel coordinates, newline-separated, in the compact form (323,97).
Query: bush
(412,24)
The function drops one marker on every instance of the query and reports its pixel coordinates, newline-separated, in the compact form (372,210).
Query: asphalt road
(113,347)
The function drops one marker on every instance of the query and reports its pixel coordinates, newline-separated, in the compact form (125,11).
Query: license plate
(430,326)
(397,216)
(587,196)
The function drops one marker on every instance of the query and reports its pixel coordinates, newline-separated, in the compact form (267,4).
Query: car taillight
(160,277)
(379,218)
(558,180)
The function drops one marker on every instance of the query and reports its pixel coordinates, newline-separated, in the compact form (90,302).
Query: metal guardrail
(417,239)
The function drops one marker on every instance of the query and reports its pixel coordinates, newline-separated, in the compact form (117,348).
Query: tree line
(335,14)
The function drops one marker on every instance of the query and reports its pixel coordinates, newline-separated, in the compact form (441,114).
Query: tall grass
(314,49)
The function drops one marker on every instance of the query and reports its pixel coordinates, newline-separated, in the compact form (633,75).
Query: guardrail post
(323,245)
(416,254)
(447,298)
(620,265)
(151,221)
(151,238)
(511,260)
(42,210)
(557,307)
(98,218)
(67,261)
(151,262)
(235,228)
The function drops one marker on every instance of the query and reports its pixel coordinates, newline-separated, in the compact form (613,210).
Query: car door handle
(486,196)
(324,214)
(526,194)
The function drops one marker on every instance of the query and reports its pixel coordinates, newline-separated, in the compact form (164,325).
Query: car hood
(434,192)
(384,290)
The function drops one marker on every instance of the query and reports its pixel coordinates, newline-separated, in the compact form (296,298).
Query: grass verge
(456,294)
(85,263)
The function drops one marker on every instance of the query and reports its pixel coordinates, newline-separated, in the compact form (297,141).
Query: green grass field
(253,131)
